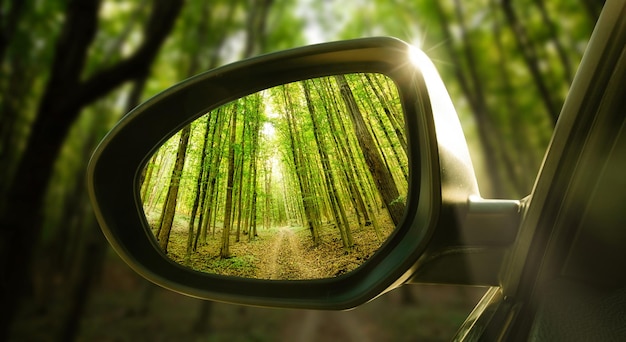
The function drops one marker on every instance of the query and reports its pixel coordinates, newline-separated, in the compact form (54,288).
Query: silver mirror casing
(116,165)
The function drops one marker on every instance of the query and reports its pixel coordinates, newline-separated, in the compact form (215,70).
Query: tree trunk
(383,178)
(8,25)
(268,194)
(399,156)
(169,208)
(530,57)
(300,170)
(253,224)
(225,249)
(560,49)
(255,28)
(91,265)
(15,87)
(593,9)
(472,88)
(398,128)
(343,156)
(146,178)
(521,177)
(64,97)
(216,159)
(240,193)
(251,180)
(352,172)
(199,194)
(339,213)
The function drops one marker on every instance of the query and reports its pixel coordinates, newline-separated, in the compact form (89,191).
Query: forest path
(284,259)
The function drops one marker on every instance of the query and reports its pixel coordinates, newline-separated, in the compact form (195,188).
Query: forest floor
(285,258)
(280,252)
(124,307)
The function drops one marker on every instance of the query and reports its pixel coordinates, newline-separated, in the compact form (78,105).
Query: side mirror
(318,177)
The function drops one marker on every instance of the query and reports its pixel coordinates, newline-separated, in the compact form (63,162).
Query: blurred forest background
(70,69)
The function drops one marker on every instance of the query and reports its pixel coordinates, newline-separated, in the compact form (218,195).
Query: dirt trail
(284,259)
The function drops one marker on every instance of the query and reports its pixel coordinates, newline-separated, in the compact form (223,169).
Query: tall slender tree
(225,249)
(300,169)
(169,207)
(383,178)
(337,207)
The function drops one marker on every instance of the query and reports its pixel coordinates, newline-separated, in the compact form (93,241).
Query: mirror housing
(425,244)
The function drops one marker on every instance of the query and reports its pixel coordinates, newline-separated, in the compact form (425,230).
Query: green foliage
(293,146)
(241,264)
(461,37)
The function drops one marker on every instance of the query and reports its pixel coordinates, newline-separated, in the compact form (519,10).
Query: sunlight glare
(269,130)
(449,136)
(416,56)
(417,42)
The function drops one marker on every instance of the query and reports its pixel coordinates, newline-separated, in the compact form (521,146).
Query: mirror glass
(300,181)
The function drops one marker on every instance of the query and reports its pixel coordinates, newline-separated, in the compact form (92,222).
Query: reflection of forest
(280,253)
(327,154)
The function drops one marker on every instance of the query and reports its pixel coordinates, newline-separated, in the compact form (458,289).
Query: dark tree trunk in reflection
(388,110)
(352,170)
(228,207)
(343,155)
(267,169)
(301,171)
(391,139)
(339,213)
(217,142)
(169,209)
(204,179)
(250,220)
(239,208)
(383,178)
(198,193)
(147,177)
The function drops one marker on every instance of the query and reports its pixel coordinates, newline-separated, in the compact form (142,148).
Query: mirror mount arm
(472,235)
(491,222)
(471,250)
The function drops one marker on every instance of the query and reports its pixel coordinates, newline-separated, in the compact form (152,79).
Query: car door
(564,279)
